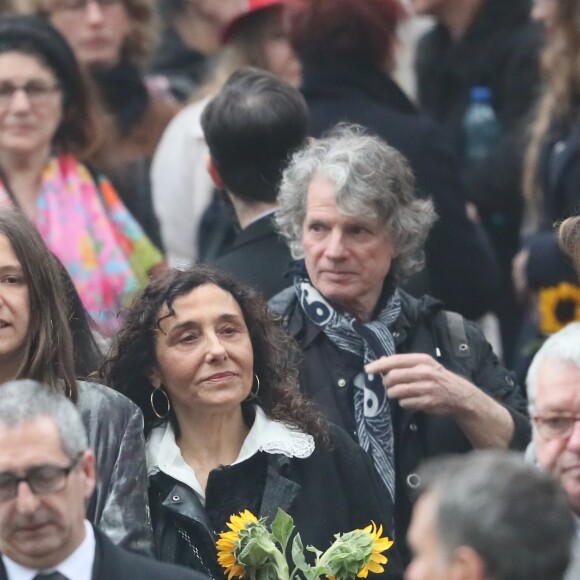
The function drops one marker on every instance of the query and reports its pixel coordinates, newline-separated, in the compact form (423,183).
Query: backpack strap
(456,328)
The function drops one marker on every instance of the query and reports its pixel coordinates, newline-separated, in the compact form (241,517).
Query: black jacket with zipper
(334,490)
(327,373)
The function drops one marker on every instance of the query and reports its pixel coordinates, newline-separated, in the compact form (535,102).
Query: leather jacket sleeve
(119,505)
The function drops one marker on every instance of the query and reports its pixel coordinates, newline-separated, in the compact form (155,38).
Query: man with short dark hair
(252,127)
(489,516)
(47,473)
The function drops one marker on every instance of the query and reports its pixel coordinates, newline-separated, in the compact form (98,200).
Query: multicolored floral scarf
(369,341)
(85,224)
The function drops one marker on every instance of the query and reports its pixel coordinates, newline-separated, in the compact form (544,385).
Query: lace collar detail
(265,435)
(275,437)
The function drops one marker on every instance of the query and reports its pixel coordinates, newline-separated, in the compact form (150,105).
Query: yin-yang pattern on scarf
(368,341)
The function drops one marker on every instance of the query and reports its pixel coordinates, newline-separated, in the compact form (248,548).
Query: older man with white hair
(553,385)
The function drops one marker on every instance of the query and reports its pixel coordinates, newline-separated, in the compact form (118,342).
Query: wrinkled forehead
(350,199)
(558,386)
(30,443)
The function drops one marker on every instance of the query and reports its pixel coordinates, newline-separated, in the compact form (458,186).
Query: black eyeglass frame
(61,473)
(36,92)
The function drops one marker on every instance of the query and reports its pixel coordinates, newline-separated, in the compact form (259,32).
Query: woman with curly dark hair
(226,427)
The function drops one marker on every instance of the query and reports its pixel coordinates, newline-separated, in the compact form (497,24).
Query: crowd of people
(242,271)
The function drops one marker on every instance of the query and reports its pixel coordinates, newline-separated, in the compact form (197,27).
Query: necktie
(50,576)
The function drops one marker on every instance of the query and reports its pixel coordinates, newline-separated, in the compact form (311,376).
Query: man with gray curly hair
(407,379)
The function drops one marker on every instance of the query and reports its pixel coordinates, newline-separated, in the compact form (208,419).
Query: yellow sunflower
(229,542)
(376,559)
(559,306)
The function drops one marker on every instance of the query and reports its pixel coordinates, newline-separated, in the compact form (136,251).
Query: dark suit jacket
(259,257)
(114,563)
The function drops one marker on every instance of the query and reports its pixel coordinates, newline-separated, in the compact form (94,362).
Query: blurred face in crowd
(221,12)
(96,30)
(428,7)
(429,561)
(204,353)
(30,105)
(544,13)
(422,539)
(14,311)
(347,257)
(558,440)
(41,529)
(280,58)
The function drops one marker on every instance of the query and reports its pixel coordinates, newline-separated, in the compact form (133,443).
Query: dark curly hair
(127,368)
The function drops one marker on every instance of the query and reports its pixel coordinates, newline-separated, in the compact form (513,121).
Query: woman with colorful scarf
(46,126)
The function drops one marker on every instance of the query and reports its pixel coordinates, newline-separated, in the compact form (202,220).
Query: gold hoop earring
(157,414)
(254,394)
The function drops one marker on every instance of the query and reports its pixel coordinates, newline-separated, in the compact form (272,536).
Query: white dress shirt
(78,566)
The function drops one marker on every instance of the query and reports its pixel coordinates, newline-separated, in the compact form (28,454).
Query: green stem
(294,573)
(282,566)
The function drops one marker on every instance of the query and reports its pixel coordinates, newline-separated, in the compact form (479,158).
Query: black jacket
(114,563)
(326,375)
(461,269)
(329,492)
(259,256)
(500,51)
(559,178)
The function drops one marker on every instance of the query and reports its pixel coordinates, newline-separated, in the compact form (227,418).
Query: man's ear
(466,564)
(214,173)
(88,467)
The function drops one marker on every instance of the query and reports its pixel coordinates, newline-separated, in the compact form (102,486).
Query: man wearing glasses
(553,384)
(46,476)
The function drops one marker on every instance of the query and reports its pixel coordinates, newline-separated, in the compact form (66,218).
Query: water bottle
(481,126)
(481,129)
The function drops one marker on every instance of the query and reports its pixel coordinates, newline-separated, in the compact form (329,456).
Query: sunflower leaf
(282,528)
(298,554)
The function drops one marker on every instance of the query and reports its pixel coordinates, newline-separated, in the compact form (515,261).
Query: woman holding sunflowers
(226,427)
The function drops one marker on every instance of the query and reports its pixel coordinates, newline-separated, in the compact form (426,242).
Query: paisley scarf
(85,224)
(368,341)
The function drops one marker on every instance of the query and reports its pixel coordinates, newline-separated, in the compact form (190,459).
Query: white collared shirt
(78,566)
(163,453)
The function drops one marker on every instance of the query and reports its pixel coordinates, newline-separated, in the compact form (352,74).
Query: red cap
(253,6)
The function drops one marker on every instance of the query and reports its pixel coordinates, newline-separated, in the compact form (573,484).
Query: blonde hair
(144,33)
(560,94)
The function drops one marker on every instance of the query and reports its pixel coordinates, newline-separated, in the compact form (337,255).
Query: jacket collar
(279,492)
(329,77)
(261,228)
(181,500)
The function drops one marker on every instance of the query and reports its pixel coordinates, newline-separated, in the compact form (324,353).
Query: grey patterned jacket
(119,505)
